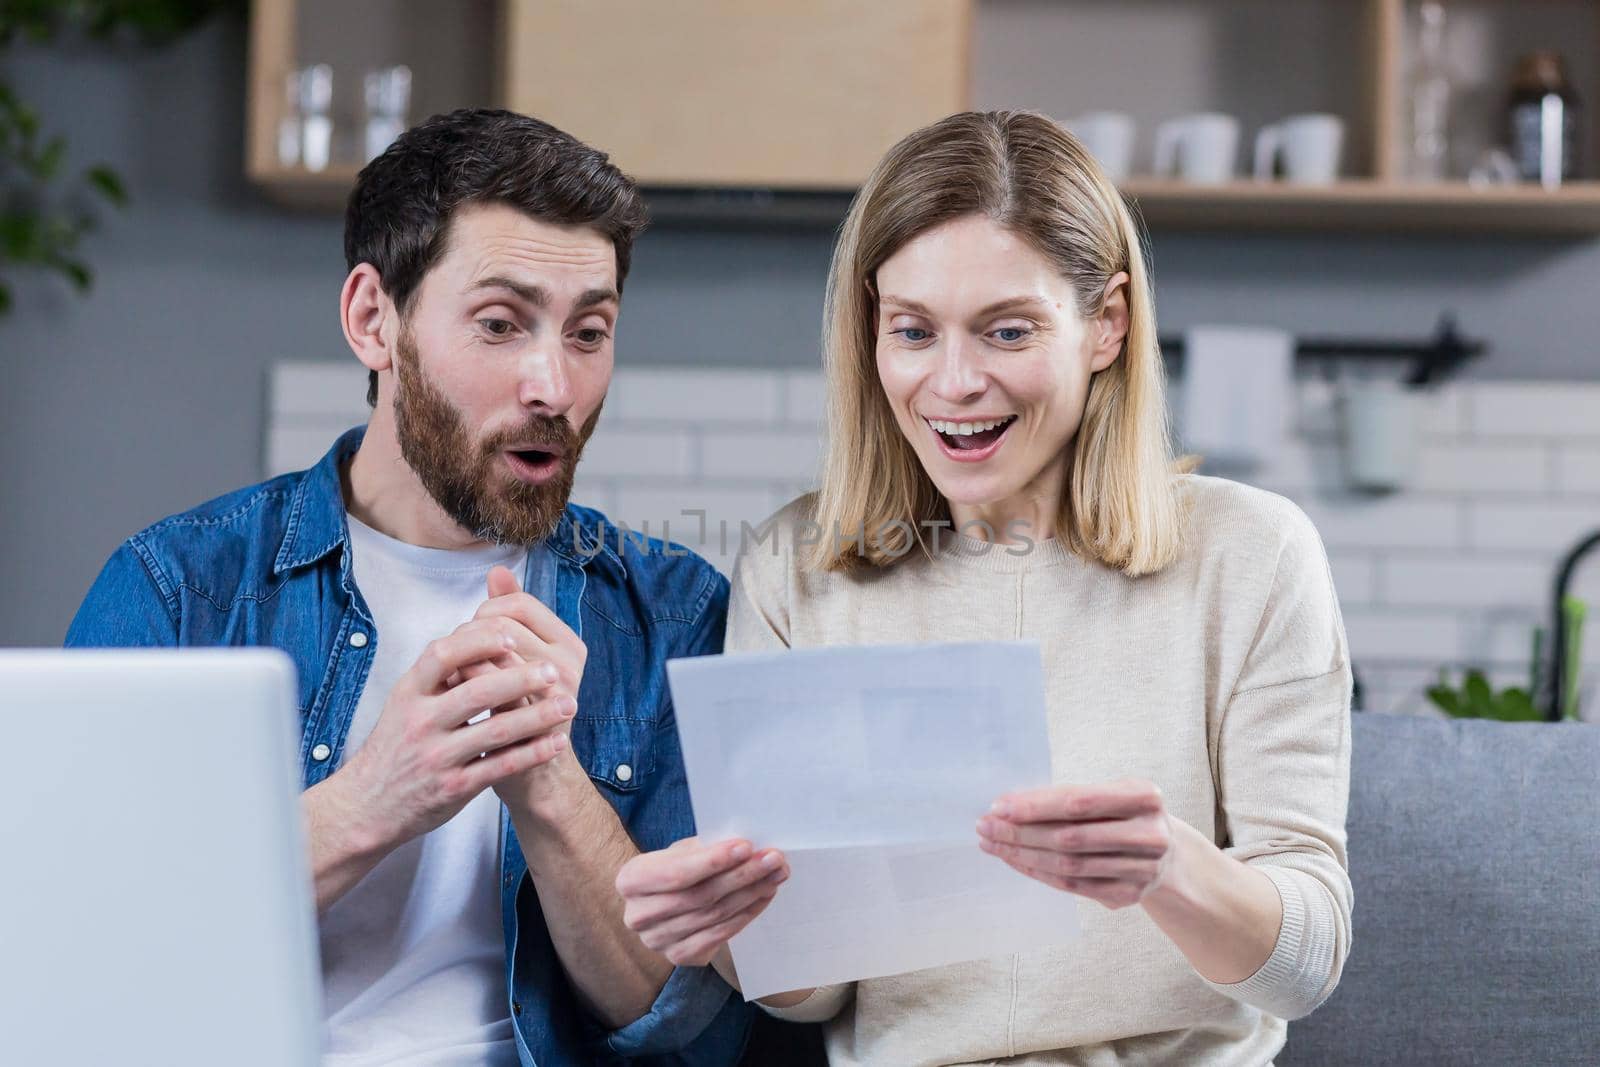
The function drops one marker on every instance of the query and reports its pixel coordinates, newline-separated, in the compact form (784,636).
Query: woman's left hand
(1112,842)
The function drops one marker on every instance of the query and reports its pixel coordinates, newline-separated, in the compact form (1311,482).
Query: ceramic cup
(1308,146)
(1108,135)
(1198,148)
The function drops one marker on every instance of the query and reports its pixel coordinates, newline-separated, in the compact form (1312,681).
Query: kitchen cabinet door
(795,94)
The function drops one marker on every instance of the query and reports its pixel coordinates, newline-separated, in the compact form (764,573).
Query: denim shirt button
(516,1007)
(321,753)
(624,773)
(358,640)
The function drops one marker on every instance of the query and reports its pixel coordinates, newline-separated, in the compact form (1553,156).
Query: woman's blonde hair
(1024,171)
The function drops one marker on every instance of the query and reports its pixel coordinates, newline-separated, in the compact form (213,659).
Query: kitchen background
(208,353)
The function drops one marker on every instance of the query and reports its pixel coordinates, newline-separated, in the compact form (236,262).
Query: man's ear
(369,318)
(1109,329)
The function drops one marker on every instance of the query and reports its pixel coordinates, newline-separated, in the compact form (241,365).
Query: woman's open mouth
(970,440)
(533,466)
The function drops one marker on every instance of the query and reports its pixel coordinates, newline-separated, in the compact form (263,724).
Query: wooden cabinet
(781,94)
(800,97)
(776,94)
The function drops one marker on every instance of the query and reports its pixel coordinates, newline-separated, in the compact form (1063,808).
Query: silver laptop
(155,903)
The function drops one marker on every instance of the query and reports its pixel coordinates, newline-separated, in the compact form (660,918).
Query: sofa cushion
(1475,857)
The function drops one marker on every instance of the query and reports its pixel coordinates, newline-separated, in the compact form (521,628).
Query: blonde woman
(999,468)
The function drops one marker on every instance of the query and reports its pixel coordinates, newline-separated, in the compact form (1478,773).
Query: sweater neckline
(1028,555)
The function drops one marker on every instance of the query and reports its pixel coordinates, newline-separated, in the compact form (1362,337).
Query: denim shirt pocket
(619,753)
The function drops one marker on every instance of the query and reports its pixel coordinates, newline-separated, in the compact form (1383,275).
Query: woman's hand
(687,901)
(1113,842)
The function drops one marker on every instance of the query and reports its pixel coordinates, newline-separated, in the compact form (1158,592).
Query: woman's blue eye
(1011,334)
(912,334)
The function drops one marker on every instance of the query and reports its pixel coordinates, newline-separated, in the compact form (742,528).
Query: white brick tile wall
(1412,637)
(1442,411)
(1491,468)
(763,455)
(1577,469)
(1456,569)
(1417,579)
(629,453)
(1355,577)
(1404,521)
(311,391)
(696,395)
(804,398)
(1300,466)
(1534,409)
(663,506)
(296,446)
(593,493)
(1502,637)
(1398,688)
(1540,527)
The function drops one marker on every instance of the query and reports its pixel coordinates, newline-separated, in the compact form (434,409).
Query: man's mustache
(540,430)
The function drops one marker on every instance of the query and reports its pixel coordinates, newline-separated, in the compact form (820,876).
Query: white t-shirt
(413,958)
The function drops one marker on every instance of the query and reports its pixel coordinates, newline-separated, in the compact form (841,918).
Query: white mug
(1380,418)
(1309,146)
(1198,148)
(1108,135)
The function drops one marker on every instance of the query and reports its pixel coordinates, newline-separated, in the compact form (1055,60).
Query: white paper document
(869,766)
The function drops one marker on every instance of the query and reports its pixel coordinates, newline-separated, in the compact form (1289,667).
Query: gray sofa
(1475,854)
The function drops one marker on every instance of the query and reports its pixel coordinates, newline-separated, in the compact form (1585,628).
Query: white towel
(1235,398)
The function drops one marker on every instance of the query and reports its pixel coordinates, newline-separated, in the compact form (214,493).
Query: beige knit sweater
(1224,679)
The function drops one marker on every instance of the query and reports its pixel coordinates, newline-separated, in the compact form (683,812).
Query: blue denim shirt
(267,566)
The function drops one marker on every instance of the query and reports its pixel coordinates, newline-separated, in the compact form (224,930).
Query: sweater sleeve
(823,1004)
(1281,753)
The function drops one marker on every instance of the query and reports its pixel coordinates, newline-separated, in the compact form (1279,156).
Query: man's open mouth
(533,464)
(977,437)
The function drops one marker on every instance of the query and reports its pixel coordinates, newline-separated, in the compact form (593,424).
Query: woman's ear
(1109,329)
(368,317)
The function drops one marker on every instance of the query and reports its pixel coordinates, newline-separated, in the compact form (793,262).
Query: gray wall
(148,396)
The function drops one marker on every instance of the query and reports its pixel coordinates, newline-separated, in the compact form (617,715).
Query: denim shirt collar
(316,523)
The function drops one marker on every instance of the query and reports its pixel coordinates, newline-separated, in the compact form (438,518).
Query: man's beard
(469,480)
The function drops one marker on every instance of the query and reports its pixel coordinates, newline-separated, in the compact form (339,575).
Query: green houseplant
(45,211)
(1475,698)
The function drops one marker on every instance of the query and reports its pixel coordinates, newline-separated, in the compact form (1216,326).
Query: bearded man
(486,732)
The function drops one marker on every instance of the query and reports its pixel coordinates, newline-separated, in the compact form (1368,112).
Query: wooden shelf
(324,190)
(1257,59)
(1368,205)
(1354,205)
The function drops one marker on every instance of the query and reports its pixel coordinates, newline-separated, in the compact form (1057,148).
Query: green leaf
(48,163)
(76,272)
(1515,705)
(21,236)
(107,182)
(1479,696)
(27,121)
(1445,699)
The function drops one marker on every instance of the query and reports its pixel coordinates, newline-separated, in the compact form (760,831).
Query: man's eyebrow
(538,296)
(594,297)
